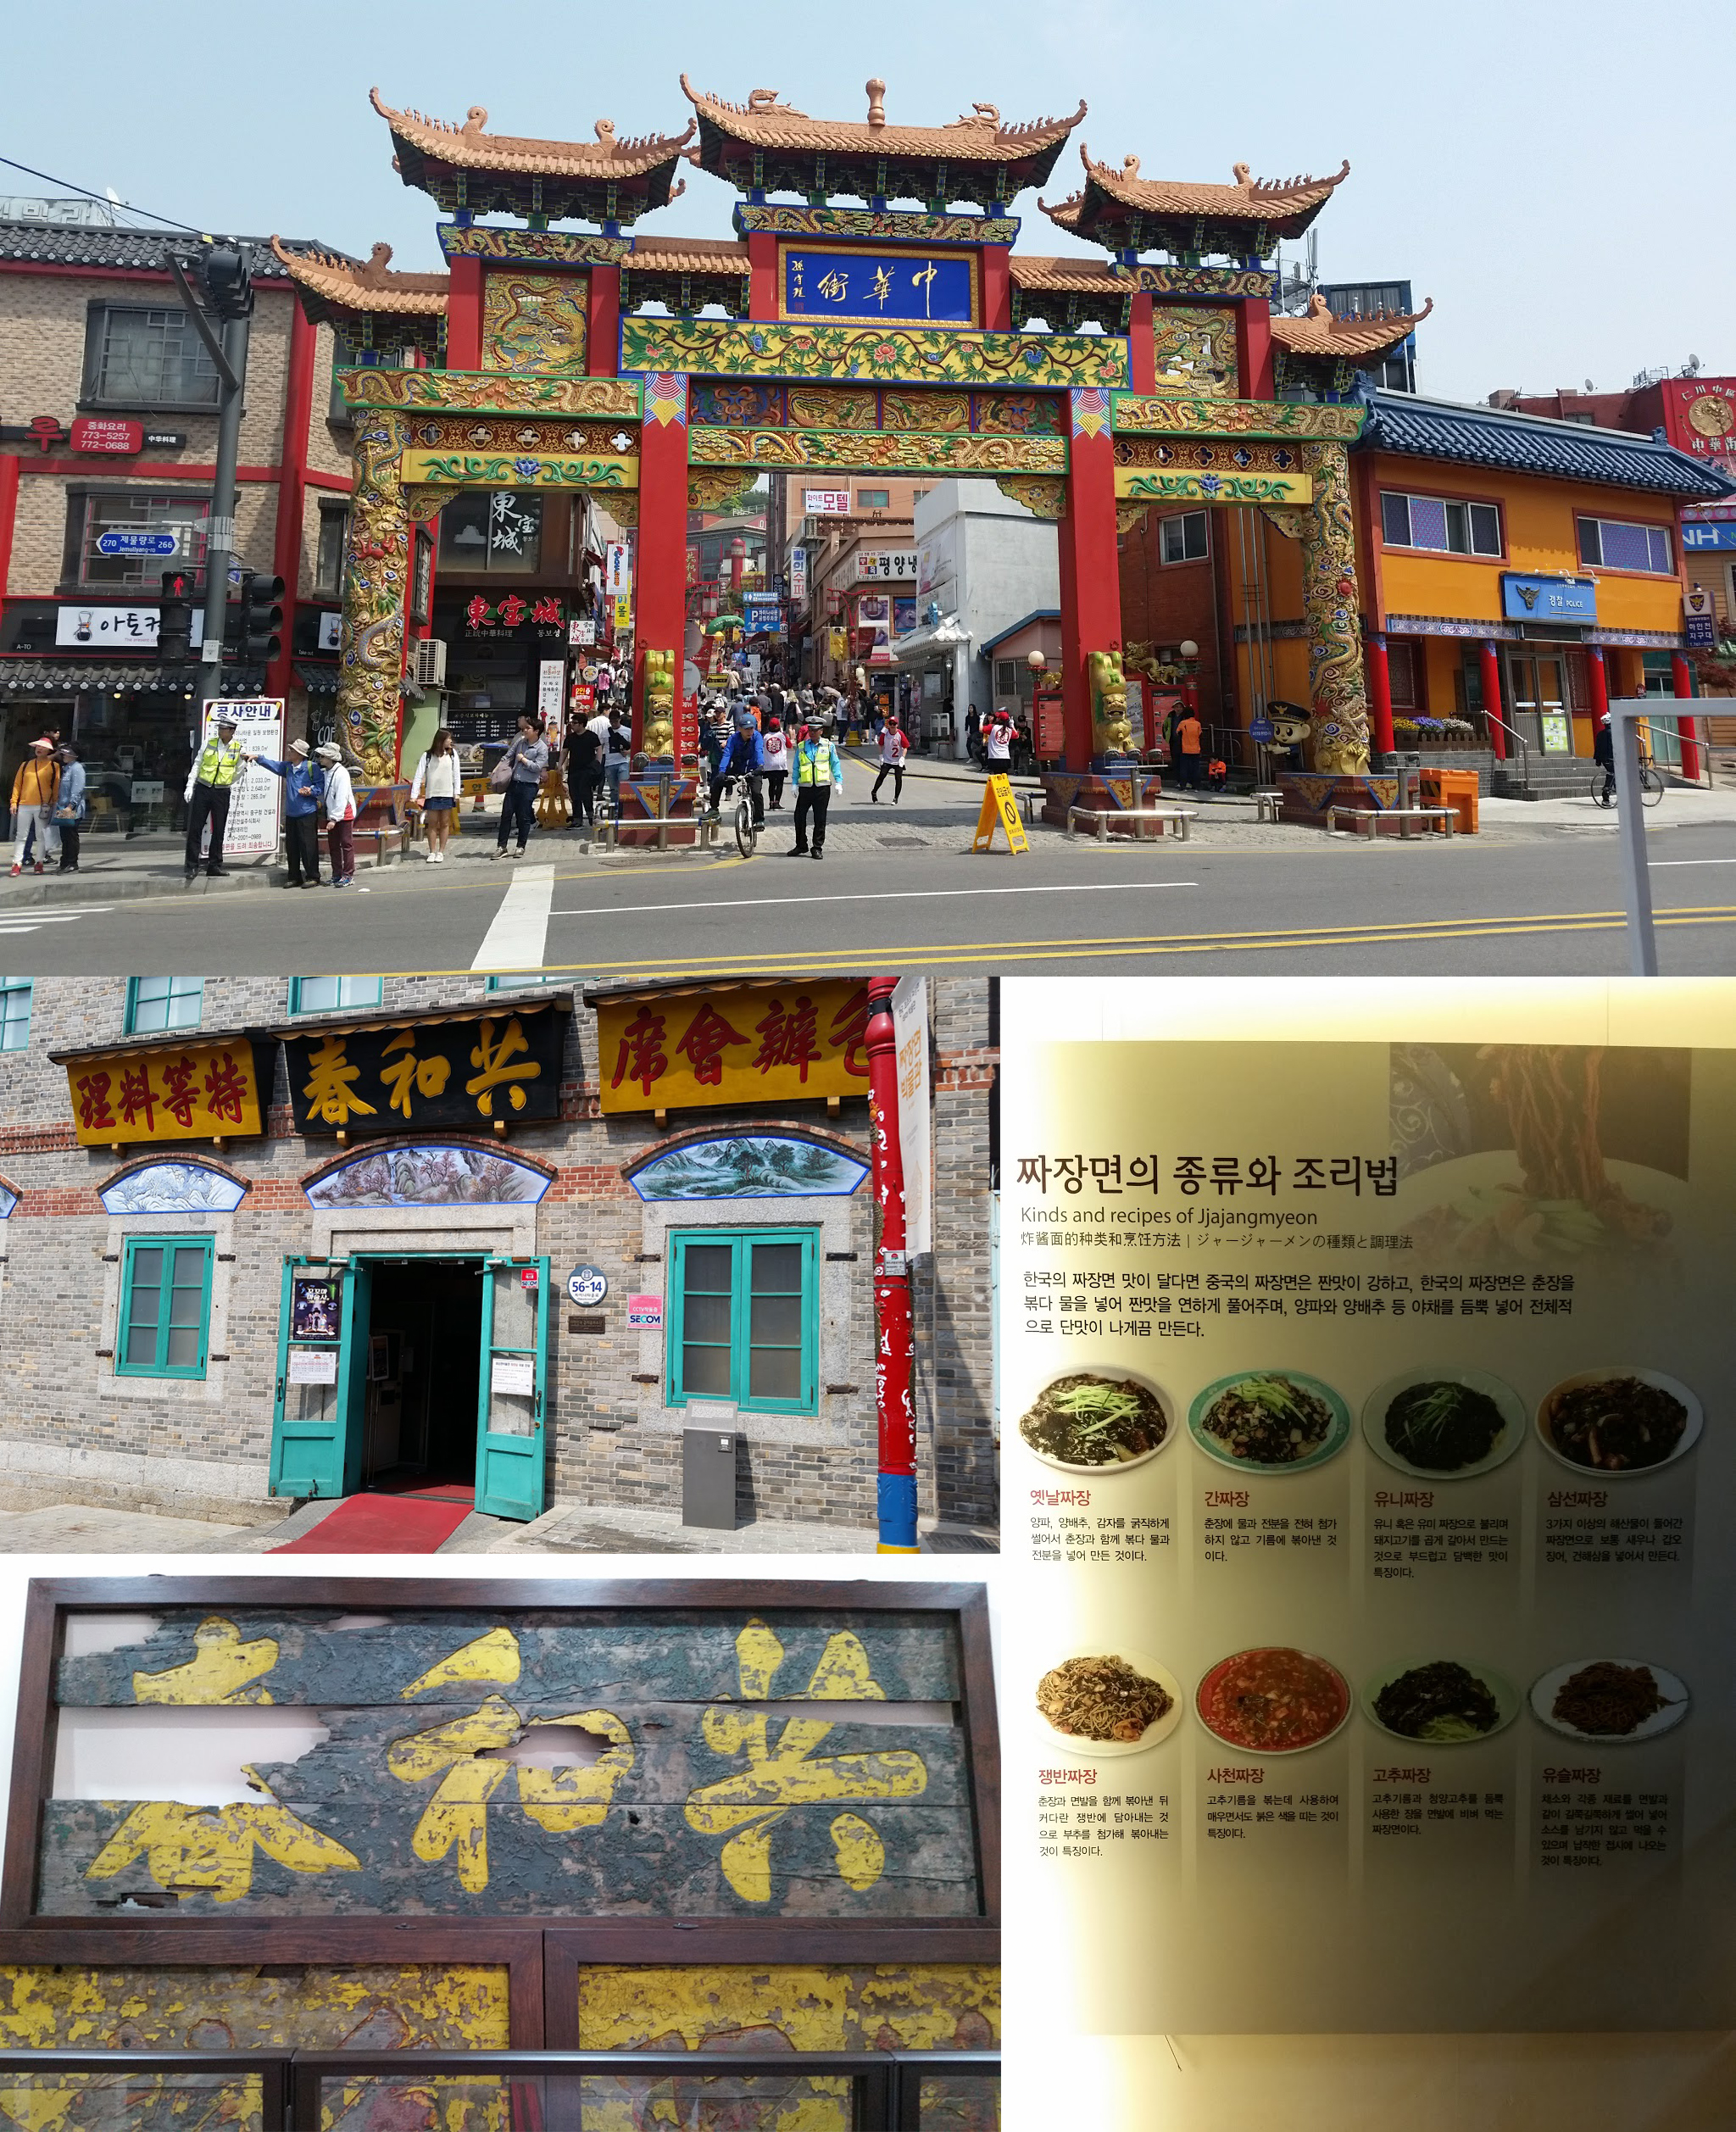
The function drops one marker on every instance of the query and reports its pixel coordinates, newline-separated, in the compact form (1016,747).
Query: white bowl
(1077,1745)
(1544,1690)
(1684,1443)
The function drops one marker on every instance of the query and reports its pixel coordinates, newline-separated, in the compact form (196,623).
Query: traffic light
(174,618)
(261,617)
(225,274)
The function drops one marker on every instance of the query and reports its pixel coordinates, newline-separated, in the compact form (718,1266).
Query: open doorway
(424,1343)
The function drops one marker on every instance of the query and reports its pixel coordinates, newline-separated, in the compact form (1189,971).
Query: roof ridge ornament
(877,103)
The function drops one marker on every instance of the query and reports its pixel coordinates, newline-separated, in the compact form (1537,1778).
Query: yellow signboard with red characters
(180,1092)
(741,1044)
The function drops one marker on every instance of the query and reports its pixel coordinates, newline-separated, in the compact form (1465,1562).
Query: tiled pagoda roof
(1066,273)
(340,285)
(688,255)
(1400,423)
(465,166)
(1119,208)
(979,154)
(1321,333)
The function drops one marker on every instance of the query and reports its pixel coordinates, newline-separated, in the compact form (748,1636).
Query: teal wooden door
(320,1384)
(511,1397)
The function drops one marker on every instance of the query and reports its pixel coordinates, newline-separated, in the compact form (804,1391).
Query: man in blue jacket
(744,758)
(303,789)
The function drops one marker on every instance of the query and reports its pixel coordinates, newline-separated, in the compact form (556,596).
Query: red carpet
(430,1491)
(380,1524)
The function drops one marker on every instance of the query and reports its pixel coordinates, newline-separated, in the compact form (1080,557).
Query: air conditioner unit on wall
(428,662)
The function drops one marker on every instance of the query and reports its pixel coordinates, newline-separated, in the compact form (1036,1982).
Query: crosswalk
(29,921)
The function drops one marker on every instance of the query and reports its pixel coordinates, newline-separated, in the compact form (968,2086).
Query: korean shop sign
(208,1091)
(762,1044)
(463,1071)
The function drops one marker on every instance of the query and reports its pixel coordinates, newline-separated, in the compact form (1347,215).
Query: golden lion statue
(659,729)
(1111,734)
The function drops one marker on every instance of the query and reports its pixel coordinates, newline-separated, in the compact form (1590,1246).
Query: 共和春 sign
(465,1070)
(738,1044)
(208,1091)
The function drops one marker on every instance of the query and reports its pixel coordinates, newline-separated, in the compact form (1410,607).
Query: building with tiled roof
(1128,213)
(469,171)
(686,273)
(373,306)
(764,146)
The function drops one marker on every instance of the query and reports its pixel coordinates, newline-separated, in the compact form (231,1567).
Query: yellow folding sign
(999,805)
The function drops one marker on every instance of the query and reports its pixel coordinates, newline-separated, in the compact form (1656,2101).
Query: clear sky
(1554,173)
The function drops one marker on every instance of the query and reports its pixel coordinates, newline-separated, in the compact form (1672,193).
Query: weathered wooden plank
(296,1657)
(671,1757)
(845,1857)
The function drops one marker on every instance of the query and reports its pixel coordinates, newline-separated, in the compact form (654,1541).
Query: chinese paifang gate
(894,336)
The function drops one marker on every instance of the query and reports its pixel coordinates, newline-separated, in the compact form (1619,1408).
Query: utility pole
(224,275)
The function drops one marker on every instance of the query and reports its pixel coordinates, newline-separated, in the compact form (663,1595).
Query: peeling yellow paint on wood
(224,1670)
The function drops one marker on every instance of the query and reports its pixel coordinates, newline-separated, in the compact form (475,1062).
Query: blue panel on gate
(892,288)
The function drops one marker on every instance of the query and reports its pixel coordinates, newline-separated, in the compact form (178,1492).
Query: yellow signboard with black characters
(999,805)
(767,1043)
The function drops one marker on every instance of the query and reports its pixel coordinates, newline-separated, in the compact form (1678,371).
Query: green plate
(1337,1436)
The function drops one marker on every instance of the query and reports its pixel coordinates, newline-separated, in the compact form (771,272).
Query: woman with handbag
(438,786)
(525,762)
(70,809)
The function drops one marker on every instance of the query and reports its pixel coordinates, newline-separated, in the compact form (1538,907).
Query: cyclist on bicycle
(744,758)
(1603,744)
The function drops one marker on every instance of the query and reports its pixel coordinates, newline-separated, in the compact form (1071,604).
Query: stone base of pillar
(648,802)
(1309,793)
(1110,794)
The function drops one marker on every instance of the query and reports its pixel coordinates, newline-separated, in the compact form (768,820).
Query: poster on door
(1372,1429)
(254,827)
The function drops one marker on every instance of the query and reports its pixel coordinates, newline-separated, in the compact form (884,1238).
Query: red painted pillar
(1598,683)
(9,515)
(1254,356)
(895,1414)
(1142,349)
(660,578)
(1491,701)
(996,289)
(762,274)
(1683,676)
(1090,569)
(603,328)
(463,315)
(292,489)
(1380,691)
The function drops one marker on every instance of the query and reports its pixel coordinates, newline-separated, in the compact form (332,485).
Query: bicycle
(1652,787)
(747,832)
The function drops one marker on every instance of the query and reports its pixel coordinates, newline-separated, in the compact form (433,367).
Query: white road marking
(18,922)
(517,940)
(1654,863)
(909,895)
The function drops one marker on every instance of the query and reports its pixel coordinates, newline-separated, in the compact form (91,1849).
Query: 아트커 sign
(112,628)
(1548,599)
(459,1071)
(198,1091)
(737,1044)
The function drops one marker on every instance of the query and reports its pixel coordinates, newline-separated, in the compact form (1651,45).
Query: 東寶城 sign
(210,1091)
(769,1043)
(460,1071)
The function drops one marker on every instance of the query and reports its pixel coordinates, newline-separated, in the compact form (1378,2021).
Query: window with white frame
(89,516)
(1615,544)
(330,995)
(146,355)
(1440,524)
(1183,539)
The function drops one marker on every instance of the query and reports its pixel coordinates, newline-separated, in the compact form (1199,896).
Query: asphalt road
(1548,904)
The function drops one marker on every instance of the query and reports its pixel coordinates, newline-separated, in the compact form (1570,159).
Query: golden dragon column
(377,555)
(1335,680)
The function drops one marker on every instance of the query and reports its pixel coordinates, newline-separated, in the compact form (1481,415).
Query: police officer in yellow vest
(209,782)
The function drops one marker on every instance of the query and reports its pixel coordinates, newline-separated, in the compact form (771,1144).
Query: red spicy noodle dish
(1273,1702)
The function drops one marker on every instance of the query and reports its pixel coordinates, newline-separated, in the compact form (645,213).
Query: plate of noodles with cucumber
(1097,1421)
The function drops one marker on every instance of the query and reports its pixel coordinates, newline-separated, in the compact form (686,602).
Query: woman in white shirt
(437,789)
(775,749)
(893,747)
(340,816)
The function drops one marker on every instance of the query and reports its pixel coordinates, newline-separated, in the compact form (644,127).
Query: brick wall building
(108,423)
(154,1289)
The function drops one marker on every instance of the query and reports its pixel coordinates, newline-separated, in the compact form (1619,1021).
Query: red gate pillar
(603,330)
(1090,567)
(463,315)
(1380,691)
(660,578)
(1492,702)
(1598,682)
(1682,674)
(896,1495)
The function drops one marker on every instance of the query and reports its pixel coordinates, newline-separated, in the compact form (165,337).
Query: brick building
(225,1286)
(108,424)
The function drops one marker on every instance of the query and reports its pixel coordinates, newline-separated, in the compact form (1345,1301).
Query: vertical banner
(551,675)
(256,804)
(910,1020)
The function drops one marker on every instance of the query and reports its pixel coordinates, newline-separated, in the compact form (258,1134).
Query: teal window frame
(206,1246)
(15,1018)
(741,1242)
(140,1000)
(297,1003)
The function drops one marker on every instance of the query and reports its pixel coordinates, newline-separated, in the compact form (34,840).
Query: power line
(84,193)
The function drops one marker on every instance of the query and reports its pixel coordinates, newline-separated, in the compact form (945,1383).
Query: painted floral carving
(906,355)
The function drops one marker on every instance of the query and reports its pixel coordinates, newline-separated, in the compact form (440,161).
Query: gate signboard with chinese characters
(203,1090)
(714,1782)
(480,1070)
(740,1044)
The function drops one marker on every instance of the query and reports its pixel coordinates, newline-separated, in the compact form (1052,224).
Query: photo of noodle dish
(1607,1703)
(1273,1420)
(1440,1702)
(1555,1195)
(1087,1423)
(1273,1702)
(1621,1423)
(1109,1701)
(1450,1423)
